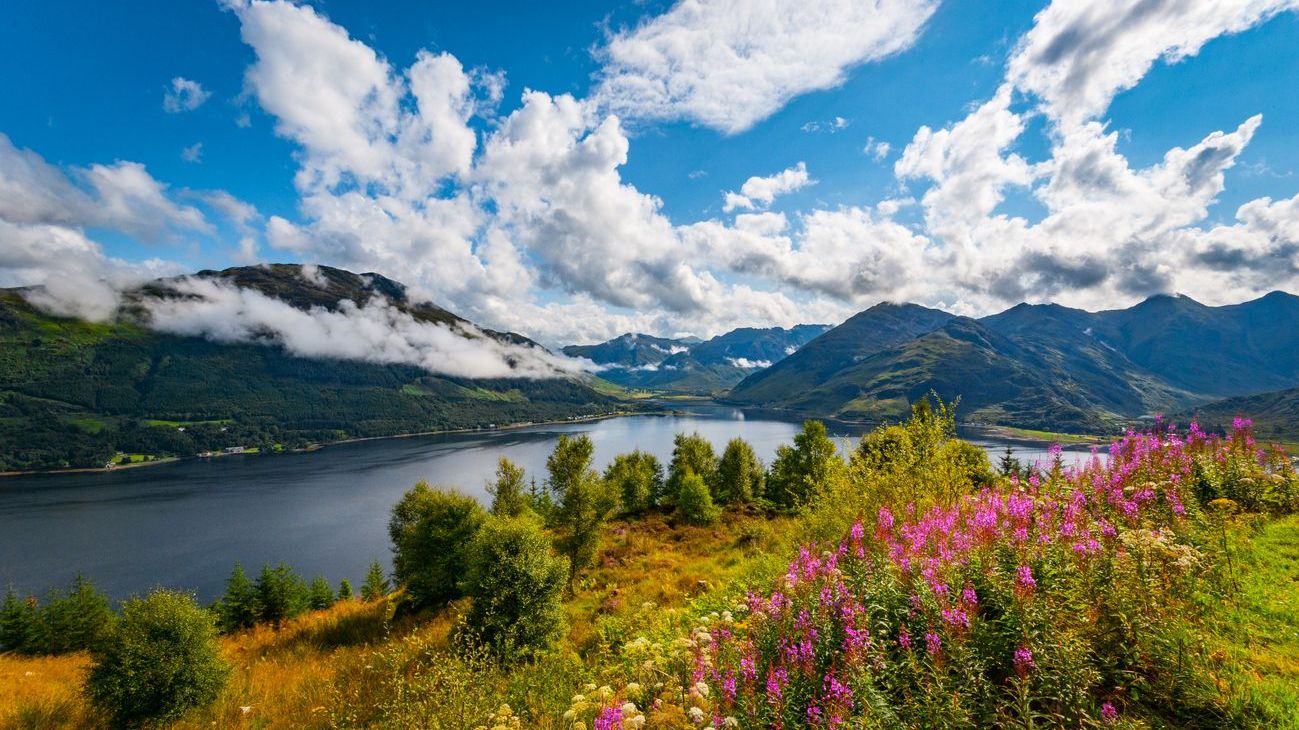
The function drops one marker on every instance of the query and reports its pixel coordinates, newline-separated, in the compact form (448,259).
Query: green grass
(178,424)
(1258,629)
(1054,436)
(89,424)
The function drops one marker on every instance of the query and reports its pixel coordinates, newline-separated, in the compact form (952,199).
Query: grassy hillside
(72,394)
(1275,414)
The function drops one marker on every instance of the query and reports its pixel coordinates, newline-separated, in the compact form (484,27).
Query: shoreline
(318,446)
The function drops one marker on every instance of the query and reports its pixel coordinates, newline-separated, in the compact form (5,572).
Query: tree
(376,584)
(694,503)
(431,530)
(321,594)
(281,593)
(20,625)
(344,590)
(638,479)
(739,473)
(581,497)
(1008,465)
(799,471)
(77,619)
(516,582)
(691,452)
(508,496)
(159,660)
(238,607)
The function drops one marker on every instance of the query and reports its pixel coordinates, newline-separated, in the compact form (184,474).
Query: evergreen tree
(281,594)
(430,531)
(692,453)
(739,473)
(77,619)
(238,607)
(799,471)
(376,583)
(582,502)
(1008,465)
(508,496)
(20,625)
(321,595)
(344,590)
(694,503)
(637,478)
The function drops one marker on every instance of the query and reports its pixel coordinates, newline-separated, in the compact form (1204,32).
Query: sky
(572,171)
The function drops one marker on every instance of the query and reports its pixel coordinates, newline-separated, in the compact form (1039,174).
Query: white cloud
(877,149)
(184,96)
(192,153)
(760,192)
(728,64)
(376,332)
(747,364)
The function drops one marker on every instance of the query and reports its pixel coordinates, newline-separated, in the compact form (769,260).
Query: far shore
(317,446)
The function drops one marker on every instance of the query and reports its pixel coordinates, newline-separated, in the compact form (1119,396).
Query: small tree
(509,498)
(238,607)
(739,473)
(692,453)
(516,583)
(582,504)
(159,661)
(1008,465)
(321,595)
(376,584)
(431,530)
(20,625)
(281,594)
(799,471)
(344,590)
(77,619)
(637,478)
(694,503)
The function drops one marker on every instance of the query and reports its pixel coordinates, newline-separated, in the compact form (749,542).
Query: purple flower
(932,642)
(1024,578)
(1108,713)
(1023,660)
(610,718)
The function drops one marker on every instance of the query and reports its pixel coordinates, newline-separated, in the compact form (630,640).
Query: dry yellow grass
(283,678)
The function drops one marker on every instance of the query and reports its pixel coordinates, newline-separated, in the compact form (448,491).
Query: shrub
(694,503)
(430,531)
(516,583)
(345,590)
(739,473)
(638,478)
(158,661)
(321,594)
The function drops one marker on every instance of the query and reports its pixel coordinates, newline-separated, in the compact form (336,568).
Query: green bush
(69,621)
(159,661)
(694,503)
(21,629)
(694,453)
(801,471)
(516,582)
(508,496)
(430,531)
(281,594)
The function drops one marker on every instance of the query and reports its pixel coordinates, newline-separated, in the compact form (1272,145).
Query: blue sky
(904,190)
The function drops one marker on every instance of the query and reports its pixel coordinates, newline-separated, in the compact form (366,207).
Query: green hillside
(72,394)
(1275,414)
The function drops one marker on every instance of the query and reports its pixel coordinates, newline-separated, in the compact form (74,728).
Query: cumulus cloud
(760,192)
(747,364)
(376,332)
(728,64)
(184,95)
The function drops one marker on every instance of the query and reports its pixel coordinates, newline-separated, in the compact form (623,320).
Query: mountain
(1039,366)
(1275,414)
(74,393)
(689,365)
(864,334)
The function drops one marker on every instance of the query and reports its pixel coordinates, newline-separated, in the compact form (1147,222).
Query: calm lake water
(183,525)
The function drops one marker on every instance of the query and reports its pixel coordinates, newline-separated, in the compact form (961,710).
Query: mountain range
(1039,366)
(690,365)
(74,393)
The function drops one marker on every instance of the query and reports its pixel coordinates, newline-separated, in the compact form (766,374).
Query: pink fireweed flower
(610,718)
(1108,713)
(1024,579)
(933,642)
(884,521)
(904,638)
(777,679)
(1023,660)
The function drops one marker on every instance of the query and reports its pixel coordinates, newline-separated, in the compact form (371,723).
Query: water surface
(184,524)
